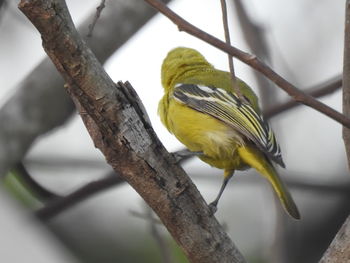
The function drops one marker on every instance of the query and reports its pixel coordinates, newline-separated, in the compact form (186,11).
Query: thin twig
(56,206)
(254,35)
(252,61)
(65,202)
(142,216)
(97,16)
(164,248)
(228,41)
(334,188)
(320,90)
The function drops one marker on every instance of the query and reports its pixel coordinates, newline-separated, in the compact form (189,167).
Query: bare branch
(227,38)
(319,90)
(40,104)
(252,61)
(119,127)
(339,250)
(40,192)
(253,33)
(346,79)
(60,204)
(335,188)
(97,16)
(255,38)
(228,41)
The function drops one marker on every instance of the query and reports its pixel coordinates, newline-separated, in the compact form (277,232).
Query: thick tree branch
(346,79)
(40,104)
(339,250)
(183,155)
(120,129)
(252,61)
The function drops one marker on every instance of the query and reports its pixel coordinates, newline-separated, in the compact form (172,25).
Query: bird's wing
(228,108)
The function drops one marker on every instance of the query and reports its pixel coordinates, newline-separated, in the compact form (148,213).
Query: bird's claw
(213,208)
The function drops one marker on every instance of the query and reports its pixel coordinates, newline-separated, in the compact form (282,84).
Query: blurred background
(302,40)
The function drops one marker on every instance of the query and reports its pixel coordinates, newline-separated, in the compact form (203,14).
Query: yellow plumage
(201,109)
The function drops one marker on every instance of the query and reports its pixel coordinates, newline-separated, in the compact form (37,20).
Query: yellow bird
(201,109)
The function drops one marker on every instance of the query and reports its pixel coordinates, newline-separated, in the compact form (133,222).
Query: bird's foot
(213,207)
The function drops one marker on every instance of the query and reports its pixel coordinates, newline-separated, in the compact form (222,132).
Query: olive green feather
(201,109)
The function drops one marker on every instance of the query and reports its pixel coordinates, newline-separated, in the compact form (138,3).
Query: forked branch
(252,61)
(119,127)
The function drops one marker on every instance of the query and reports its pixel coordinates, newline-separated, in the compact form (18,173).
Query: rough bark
(40,103)
(120,128)
(346,80)
(339,250)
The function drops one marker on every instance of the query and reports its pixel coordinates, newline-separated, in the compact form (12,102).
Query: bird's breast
(201,132)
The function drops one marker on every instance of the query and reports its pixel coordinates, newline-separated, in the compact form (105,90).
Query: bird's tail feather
(258,161)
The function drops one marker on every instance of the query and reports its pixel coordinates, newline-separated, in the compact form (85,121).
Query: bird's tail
(258,161)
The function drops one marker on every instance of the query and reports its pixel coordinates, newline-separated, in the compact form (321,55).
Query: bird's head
(179,61)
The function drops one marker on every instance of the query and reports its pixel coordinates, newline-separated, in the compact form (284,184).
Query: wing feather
(227,107)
